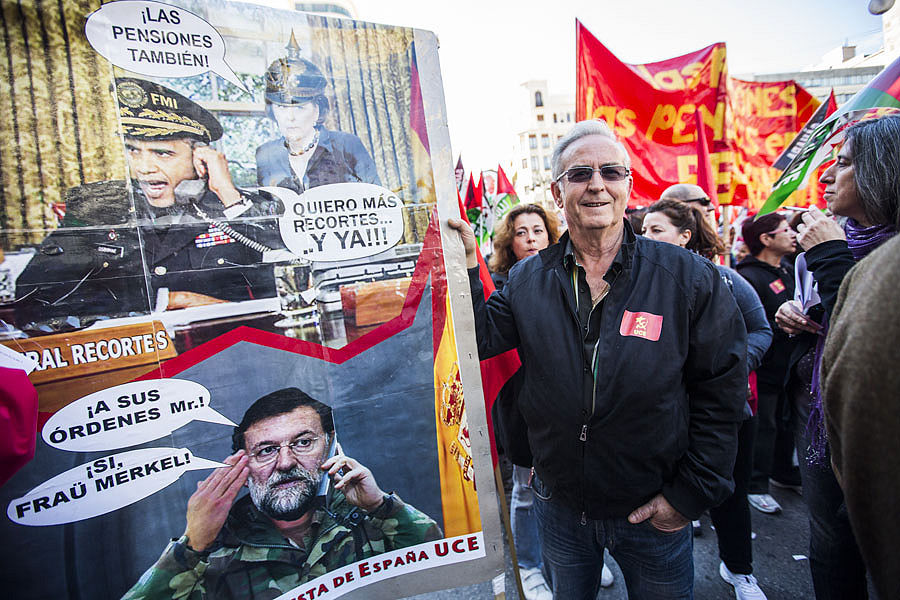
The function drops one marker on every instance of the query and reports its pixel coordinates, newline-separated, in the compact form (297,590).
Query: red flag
(832,104)
(649,106)
(497,370)
(706,179)
(479,189)
(473,195)
(503,184)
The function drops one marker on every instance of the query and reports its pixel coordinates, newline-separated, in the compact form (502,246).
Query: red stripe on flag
(416,106)
(497,370)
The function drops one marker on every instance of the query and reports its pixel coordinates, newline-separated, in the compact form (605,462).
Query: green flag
(881,97)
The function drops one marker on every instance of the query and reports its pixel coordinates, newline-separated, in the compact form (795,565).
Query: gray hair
(875,146)
(580,130)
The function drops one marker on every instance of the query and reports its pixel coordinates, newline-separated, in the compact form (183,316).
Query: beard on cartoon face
(285,495)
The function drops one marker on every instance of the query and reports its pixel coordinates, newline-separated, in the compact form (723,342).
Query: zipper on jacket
(583,434)
(589,415)
(594,365)
(582,437)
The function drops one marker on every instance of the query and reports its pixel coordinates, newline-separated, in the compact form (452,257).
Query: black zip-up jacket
(774,286)
(666,412)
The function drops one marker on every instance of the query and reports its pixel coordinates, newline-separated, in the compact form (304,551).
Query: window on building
(546,163)
(534,163)
(568,117)
(554,117)
(524,163)
(545,141)
(540,117)
(538,99)
(532,142)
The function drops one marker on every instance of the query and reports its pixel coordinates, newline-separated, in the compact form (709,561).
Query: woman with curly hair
(684,225)
(525,230)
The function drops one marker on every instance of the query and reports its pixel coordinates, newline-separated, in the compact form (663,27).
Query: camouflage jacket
(251,560)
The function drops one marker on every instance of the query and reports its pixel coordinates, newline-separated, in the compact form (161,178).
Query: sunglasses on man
(608,173)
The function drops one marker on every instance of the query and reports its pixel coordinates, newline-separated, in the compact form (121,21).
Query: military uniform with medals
(113,258)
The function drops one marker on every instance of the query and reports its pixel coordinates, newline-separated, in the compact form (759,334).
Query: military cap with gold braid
(149,111)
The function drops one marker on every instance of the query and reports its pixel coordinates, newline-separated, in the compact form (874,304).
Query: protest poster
(213,212)
(651,108)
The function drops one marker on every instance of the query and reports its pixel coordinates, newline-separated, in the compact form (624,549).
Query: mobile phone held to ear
(190,191)
(325,484)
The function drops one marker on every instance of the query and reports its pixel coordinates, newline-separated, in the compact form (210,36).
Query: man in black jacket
(770,240)
(633,355)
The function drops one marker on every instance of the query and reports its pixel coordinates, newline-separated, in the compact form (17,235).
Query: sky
(488,48)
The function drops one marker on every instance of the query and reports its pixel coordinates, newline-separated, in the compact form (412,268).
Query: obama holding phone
(185,235)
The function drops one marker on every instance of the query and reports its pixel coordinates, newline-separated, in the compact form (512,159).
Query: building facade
(546,119)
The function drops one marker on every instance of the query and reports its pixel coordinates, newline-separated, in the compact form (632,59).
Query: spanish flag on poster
(458,495)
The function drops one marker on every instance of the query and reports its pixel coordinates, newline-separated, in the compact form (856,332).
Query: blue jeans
(524,524)
(655,565)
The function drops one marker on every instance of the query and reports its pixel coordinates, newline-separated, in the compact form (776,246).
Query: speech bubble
(129,414)
(104,485)
(159,40)
(340,221)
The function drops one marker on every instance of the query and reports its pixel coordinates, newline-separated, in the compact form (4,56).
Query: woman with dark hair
(308,154)
(684,225)
(862,185)
(524,231)
(681,219)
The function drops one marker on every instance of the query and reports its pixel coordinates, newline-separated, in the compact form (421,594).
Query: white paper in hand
(806,292)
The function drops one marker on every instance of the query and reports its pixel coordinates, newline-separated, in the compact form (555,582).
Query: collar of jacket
(555,255)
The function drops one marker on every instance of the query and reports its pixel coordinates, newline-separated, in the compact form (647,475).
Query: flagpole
(504,515)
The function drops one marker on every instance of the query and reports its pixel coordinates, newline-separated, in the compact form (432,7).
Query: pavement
(778,539)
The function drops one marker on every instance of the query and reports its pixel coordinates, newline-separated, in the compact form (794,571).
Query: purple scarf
(861,240)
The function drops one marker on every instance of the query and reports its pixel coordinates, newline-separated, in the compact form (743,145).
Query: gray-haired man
(634,359)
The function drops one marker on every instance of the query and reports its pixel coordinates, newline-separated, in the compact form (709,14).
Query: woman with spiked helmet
(307,154)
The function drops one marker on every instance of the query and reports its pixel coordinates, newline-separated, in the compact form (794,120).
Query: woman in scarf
(862,185)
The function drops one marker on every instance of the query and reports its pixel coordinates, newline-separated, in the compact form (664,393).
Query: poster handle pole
(504,515)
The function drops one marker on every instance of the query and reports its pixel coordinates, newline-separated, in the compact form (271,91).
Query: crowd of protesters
(777,372)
